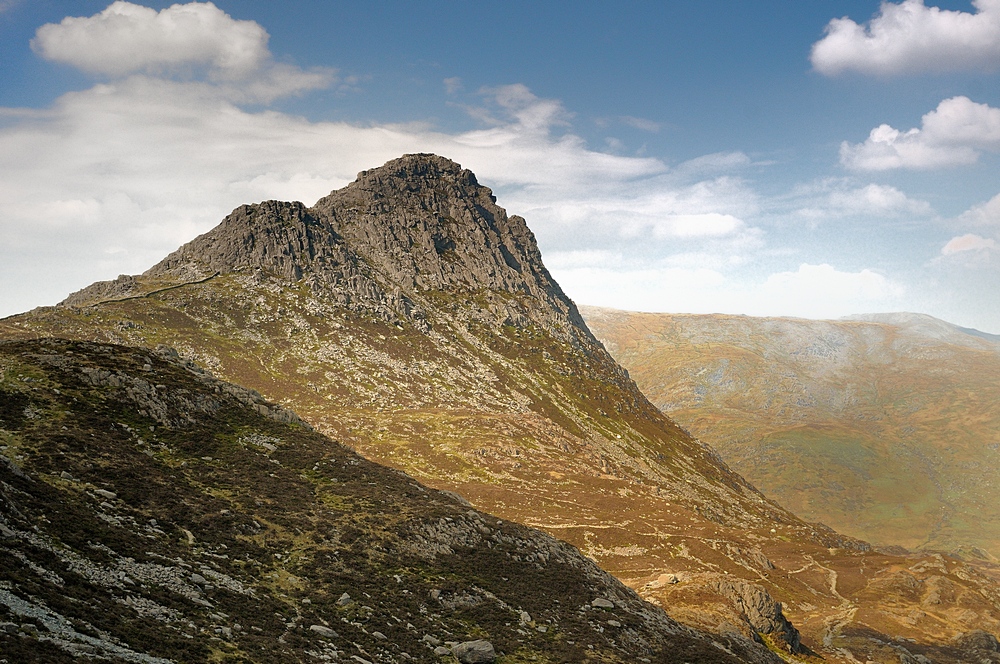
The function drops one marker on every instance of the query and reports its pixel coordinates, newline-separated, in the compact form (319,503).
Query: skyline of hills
(883,426)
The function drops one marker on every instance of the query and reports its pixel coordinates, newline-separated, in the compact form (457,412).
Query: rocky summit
(407,317)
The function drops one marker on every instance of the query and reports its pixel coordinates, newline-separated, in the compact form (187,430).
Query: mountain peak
(417,166)
(417,225)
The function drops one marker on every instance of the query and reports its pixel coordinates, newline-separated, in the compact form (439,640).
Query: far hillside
(884,426)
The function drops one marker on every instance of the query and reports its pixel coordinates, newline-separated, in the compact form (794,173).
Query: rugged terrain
(886,427)
(152,513)
(409,317)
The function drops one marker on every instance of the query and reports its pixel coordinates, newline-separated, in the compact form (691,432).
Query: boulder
(479,651)
(323,630)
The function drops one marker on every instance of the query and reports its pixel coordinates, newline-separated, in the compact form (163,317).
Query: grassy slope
(537,431)
(884,435)
(150,512)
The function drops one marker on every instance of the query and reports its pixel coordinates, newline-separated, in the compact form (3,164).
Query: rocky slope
(151,513)
(886,428)
(410,318)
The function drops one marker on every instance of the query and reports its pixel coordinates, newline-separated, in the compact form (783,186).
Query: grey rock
(431,640)
(978,640)
(441,650)
(104,493)
(124,286)
(198,578)
(602,603)
(13,468)
(479,651)
(761,610)
(345,600)
(324,631)
(380,636)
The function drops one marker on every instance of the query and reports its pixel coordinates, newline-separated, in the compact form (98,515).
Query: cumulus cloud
(189,40)
(909,37)
(953,134)
(127,38)
(108,180)
(968,242)
(842,198)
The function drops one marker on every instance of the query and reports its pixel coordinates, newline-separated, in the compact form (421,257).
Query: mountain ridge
(499,394)
(884,430)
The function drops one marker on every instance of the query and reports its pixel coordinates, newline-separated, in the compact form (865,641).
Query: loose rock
(323,630)
(479,651)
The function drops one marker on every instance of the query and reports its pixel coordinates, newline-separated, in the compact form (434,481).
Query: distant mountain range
(885,426)
(409,318)
(925,325)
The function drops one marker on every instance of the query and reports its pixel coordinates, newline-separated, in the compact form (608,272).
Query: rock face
(418,223)
(761,611)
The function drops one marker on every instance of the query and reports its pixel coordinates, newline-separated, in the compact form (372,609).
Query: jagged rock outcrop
(418,224)
(761,611)
(124,286)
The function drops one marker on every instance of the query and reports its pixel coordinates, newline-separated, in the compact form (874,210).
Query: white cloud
(842,198)
(128,170)
(877,199)
(452,85)
(951,135)
(812,291)
(641,123)
(126,38)
(192,40)
(517,103)
(712,224)
(987,214)
(910,37)
(821,286)
(968,242)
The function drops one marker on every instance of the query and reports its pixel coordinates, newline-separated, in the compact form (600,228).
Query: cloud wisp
(966,243)
(953,134)
(911,38)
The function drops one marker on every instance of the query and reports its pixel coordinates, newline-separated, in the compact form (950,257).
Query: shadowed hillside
(151,513)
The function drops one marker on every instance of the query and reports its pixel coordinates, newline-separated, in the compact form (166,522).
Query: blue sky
(767,158)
